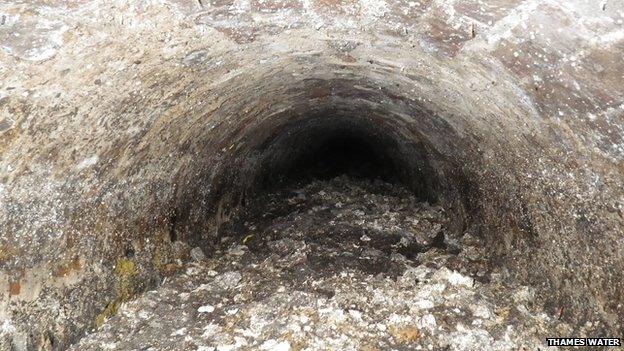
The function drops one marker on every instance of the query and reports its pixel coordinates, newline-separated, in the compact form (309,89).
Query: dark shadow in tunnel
(282,154)
(321,148)
(344,153)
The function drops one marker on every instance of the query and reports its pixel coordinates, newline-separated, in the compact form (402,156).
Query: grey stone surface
(129,126)
(197,254)
(304,283)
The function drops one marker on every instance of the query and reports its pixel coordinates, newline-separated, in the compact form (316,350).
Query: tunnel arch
(428,150)
(160,135)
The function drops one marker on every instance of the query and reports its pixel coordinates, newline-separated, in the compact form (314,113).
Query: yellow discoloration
(6,252)
(125,267)
(125,270)
(404,334)
(108,312)
(247,238)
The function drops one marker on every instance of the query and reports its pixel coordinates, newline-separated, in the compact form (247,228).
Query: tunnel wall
(126,130)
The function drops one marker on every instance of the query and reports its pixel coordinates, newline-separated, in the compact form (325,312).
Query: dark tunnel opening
(345,147)
(325,147)
(344,153)
(368,161)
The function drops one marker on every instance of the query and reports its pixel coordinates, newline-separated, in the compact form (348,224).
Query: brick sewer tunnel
(132,133)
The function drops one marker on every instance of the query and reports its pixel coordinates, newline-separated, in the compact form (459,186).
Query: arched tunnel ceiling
(118,117)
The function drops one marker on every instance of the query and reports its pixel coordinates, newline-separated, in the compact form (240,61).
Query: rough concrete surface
(133,131)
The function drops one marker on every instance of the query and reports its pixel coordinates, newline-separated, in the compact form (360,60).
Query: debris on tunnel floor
(342,264)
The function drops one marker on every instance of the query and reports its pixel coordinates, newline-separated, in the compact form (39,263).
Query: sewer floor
(341,264)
